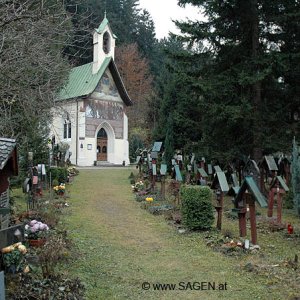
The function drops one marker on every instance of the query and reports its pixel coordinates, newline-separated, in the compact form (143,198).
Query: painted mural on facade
(107,86)
(105,110)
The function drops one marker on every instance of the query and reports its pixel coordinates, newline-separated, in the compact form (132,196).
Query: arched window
(102,134)
(106,42)
(98,149)
(104,149)
(67,128)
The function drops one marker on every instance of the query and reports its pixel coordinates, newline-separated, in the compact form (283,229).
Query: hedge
(197,209)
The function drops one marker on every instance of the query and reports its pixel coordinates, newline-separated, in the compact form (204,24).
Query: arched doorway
(102,145)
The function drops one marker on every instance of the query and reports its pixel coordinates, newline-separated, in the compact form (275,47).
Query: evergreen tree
(239,77)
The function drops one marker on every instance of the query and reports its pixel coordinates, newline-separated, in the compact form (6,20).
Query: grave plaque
(178,174)
(157,147)
(154,154)
(218,169)
(163,169)
(192,159)
(154,169)
(138,158)
(202,173)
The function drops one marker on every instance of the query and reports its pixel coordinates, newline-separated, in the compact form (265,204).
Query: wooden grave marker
(202,176)
(267,167)
(220,185)
(178,179)
(163,172)
(277,189)
(248,194)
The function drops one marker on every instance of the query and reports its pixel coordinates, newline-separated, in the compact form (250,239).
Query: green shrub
(197,210)
(55,182)
(60,174)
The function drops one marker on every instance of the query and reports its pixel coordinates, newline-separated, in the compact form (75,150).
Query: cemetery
(31,240)
(195,198)
(139,166)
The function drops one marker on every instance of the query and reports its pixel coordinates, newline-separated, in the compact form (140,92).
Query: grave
(247,195)
(284,169)
(277,188)
(163,172)
(251,169)
(268,169)
(220,186)
(179,179)
(202,176)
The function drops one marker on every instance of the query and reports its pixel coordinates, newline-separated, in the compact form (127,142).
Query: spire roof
(103,24)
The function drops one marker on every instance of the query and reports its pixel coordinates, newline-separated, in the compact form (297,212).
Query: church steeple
(103,44)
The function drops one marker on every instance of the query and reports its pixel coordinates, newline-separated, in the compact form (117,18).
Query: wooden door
(102,145)
(102,149)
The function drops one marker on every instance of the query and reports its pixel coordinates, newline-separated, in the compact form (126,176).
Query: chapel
(89,114)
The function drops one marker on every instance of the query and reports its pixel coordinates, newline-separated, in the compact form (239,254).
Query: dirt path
(123,246)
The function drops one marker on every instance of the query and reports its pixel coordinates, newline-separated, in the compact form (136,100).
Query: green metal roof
(202,172)
(250,184)
(82,81)
(234,180)
(233,191)
(272,166)
(281,182)
(102,26)
(157,146)
(218,169)
(221,179)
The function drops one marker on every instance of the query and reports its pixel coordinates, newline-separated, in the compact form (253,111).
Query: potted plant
(36,233)
(14,258)
(60,189)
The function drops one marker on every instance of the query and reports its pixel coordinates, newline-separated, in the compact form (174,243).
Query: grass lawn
(121,246)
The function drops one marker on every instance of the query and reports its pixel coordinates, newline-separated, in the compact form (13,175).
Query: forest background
(226,87)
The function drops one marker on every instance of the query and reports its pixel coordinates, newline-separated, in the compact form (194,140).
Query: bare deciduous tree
(138,81)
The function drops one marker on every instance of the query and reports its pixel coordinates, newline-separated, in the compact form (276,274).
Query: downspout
(76,132)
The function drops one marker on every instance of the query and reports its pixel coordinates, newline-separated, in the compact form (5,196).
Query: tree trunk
(256,87)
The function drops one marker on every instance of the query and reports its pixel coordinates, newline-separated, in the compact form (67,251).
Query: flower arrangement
(36,230)
(14,259)
(138,186)
(149,199)
(60,189)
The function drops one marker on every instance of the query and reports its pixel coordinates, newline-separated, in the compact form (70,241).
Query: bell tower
(103,44)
